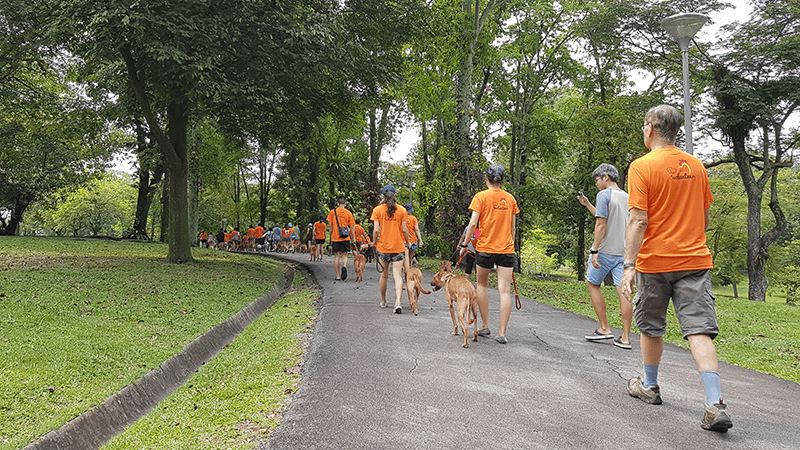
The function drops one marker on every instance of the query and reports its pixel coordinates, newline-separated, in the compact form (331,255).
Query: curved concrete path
(377,380)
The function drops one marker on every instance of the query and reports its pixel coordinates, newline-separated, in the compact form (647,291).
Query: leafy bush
(534,257)
(790,279)
(437,247)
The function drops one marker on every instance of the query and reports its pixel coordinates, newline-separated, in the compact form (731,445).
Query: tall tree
(756,86)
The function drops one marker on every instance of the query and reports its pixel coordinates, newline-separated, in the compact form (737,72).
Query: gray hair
(606,169)
(666,121)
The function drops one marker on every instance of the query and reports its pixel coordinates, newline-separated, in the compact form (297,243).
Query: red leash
(516,293)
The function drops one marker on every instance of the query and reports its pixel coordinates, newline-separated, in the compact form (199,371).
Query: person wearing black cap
(414,235)
(494,212)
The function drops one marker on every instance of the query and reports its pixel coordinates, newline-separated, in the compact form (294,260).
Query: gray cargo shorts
(692,298)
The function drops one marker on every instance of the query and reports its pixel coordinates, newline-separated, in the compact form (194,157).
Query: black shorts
(489,260)
(469,263)
(319,241)
(341,246)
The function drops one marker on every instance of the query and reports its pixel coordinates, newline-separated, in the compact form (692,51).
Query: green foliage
(101,207)
(436,246)
(534,257)
(83,318)
(790,279)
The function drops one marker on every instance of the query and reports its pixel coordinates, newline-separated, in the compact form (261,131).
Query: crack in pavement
(416,364)
(614,367)
(537,337)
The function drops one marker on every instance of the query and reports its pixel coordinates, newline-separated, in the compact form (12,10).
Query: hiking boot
(650,394)
(716,419)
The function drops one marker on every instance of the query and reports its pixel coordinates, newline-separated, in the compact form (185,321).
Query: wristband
(594,252)
(629,265)
(463,246)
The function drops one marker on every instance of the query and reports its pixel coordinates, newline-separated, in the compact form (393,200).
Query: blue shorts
(607,263)
(413,247)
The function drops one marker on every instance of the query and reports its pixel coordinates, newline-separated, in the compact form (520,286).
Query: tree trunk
(164,234)
(180,245)
(175,161)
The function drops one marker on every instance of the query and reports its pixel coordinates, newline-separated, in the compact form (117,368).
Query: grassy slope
(80,319)
(755,335)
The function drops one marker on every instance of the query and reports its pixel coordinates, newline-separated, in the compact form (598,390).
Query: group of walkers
(652,237)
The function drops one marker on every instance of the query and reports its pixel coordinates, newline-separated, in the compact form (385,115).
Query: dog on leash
(414,287)
(359,263)
(461,291)
(313,251)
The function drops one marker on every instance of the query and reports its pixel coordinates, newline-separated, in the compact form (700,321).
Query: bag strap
(338,227)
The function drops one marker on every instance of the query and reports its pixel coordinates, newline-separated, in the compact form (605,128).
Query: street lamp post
(682,27)
(411,173)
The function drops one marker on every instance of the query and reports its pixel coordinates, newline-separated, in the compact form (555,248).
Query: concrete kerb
(93,428)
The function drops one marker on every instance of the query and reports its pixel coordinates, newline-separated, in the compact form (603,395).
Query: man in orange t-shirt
(319,236)
(667,256)
(496,210)
(341,217)
(259,235)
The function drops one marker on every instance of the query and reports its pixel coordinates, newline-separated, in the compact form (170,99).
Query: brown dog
(313,251)
(414,287)
(461,291)
(359,263)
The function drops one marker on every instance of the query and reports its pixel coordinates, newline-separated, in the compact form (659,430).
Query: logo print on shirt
(502,204)
(682,172)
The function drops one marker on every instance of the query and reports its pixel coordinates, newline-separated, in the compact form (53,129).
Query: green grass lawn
(80,319)
(755,335)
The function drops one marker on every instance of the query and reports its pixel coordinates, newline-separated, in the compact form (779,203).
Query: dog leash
(516,293)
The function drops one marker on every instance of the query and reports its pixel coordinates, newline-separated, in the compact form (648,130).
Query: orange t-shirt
(251,233)
(496,208)
(286,233)
(227,237)
(411,223)
(346,219)
(319,230)
(672,186)
(361,235)
(203,236)
(259,232)
(391,239)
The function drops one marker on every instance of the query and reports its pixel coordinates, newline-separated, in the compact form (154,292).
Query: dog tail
(422,289)
(472,315)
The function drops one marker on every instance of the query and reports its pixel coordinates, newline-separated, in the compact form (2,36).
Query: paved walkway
(377,380)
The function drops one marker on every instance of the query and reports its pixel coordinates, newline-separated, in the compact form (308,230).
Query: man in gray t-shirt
(608,251)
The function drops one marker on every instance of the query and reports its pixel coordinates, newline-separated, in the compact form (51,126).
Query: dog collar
(449,277)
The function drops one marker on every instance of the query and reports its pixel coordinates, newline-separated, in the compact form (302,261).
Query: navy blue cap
(388,188)
(409,208)
(495,173)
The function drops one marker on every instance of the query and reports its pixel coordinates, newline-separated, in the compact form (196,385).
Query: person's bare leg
(626,311)
(397,274)
(336,258)
(504,275)
(482,276)
(652,347)
(383,280)
(599,305)
(704,352)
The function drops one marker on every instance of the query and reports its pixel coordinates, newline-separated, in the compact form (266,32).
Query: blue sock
(650,375)
(711,382)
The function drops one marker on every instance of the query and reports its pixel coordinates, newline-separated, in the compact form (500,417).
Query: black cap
(495,173)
